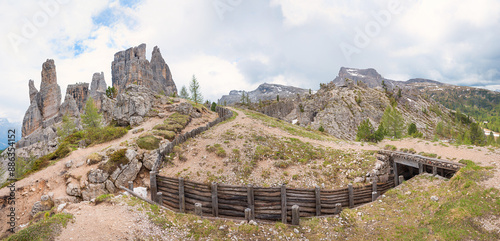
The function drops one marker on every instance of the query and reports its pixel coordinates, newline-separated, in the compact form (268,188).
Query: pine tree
(491,138)
(243,98)
(365,131)
(278,98)
(412,129)
(393,122)
(184,93)
(194,88)
(67,128)
(91,118)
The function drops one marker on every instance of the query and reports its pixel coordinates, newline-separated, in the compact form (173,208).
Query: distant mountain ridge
(263,92)
(373,79)
(5,125)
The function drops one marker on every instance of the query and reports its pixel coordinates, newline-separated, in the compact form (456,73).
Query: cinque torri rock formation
(132,67)
(136,79)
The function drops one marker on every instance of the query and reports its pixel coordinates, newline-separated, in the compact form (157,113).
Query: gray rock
(69,164)
(94,190)
(263,92)
(69,107)
(44,104)
(434,198)
(98,85)
(135,102)
(187,109)
(61,207)
(97,176)
(110,186)
(149,159)
(73,190)
(131,66)
(80,93)
(130,154)
(129,173)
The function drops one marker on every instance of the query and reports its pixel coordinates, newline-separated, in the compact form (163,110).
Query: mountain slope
(263,92)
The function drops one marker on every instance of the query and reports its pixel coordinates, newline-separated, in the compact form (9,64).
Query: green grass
(103,198)
(148,142)
(174,123)
(46,229)
(169,135)
(116,159)
(288,127)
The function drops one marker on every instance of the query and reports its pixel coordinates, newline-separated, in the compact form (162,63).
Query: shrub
(390,147)
(116,159)
(169,135)
(94,158)
(148,142)
(321,129)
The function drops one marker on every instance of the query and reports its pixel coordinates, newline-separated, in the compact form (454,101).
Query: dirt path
(51,179)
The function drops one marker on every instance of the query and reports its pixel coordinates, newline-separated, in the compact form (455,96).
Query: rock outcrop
(98,89)
(69,107)
(263,92)
(44,104)
(132,67)
(79,92)
(98,85)
(130,107)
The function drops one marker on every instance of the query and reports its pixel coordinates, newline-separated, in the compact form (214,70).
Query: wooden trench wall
(265,203)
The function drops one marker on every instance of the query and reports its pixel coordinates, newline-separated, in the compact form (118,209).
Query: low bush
(169,135)
(116,159)
(148,142)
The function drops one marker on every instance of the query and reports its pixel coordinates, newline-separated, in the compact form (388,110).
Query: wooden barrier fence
(271,203)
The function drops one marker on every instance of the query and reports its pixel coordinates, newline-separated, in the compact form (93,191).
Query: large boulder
(44,204)
(149,159)
(93,190)
(73,190)
(127,173)
(97,176)
(132,105)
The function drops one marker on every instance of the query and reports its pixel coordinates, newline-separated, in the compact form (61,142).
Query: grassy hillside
(483,105)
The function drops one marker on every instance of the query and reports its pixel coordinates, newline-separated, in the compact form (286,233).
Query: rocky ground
(121,220)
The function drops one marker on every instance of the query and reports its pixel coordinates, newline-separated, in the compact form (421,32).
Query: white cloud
(277,41)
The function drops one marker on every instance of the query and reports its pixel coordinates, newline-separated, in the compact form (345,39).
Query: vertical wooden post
(295,215)
(338,208)
(351,195)
(434,170)
(159,197)
(251,200)
(131,185)
(317,192)
(374,196)
(182,200)
(215,200)
(395,166)
(198,211)
(420,168)
(374,184)
(248,214)
(152,185)
(442,172)
(283,204)
(401,179)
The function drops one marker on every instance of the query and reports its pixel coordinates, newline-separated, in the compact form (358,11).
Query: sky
(239,44)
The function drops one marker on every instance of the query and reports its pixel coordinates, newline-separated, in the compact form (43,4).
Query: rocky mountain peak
(132,67)
(32,90)
(98,84)
(80,93)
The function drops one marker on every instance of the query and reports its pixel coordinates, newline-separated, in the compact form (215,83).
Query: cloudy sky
(239,44)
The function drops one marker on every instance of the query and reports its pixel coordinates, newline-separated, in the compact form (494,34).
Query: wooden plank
(351,195)
(182,203)
(283,204)
(152,184)
(215,202)
(251,201)
(318,201)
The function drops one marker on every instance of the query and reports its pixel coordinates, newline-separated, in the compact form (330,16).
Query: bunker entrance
(409,170)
